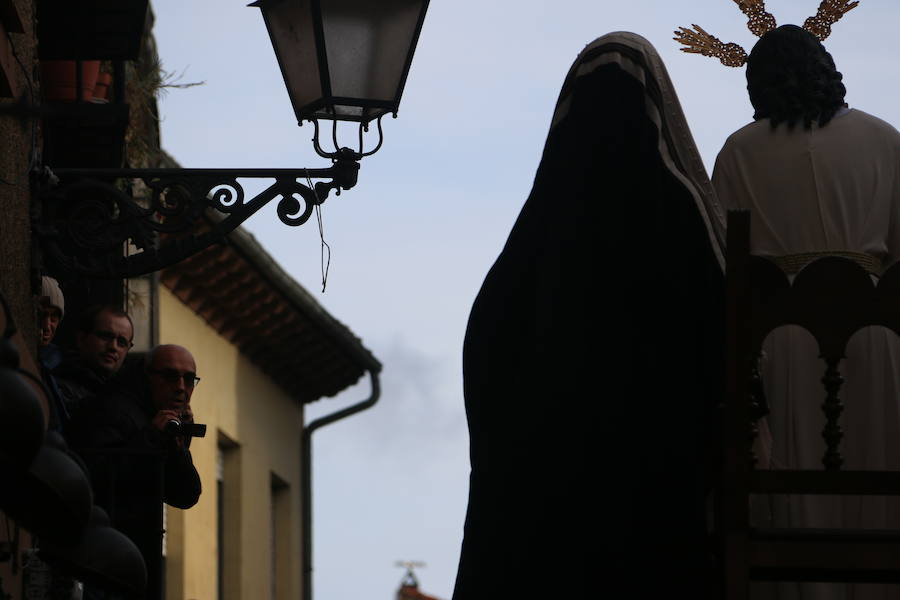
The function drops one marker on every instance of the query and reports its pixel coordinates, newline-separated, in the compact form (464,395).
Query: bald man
(139,414)
(173,375)
(137,457)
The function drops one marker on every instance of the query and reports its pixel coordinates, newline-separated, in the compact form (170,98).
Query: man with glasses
(102,342)
(150,412)
(173,376)
(135,440)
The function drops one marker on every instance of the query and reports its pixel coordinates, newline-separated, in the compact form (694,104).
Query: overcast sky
(432,209)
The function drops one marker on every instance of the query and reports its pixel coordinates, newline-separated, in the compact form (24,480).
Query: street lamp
(342,60)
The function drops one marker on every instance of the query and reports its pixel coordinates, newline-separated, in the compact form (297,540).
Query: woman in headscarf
(592,358)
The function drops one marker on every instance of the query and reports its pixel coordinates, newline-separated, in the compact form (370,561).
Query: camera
(176,427)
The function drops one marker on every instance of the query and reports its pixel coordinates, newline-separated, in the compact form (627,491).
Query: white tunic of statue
(834,188)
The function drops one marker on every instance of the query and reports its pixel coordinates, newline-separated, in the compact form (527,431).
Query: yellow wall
(239,404)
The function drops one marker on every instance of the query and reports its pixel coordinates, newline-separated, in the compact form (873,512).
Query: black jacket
(113,432)
(76,383)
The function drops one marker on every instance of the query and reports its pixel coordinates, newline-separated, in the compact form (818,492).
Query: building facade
(264,347)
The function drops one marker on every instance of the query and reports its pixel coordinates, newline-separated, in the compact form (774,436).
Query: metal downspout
(306,475)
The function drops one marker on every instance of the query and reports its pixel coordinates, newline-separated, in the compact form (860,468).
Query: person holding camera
(136,442)
(173,375)
(147,413)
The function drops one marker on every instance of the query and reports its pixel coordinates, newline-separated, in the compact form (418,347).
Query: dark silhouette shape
(593,354)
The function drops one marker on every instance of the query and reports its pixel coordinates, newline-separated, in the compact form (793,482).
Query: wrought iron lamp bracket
(343,152)
(157,217)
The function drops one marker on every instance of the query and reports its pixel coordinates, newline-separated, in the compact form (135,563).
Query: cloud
(418,419)
(391,483)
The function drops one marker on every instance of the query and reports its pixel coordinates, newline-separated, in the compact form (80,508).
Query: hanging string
(324,248)
(324,263)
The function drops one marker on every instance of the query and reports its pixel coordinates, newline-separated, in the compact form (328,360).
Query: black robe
(593,355)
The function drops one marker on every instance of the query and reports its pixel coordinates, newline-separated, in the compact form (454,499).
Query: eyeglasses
(109,336)
(172,376)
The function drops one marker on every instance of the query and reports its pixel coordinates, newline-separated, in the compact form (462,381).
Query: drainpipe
(306,475)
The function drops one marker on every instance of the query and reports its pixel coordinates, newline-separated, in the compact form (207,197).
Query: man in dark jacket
(143,413)
(103,340)
(133,440)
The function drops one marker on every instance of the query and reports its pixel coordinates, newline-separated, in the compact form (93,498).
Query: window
(227,519)
(279,538)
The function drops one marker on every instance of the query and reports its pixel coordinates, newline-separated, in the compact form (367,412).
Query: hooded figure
(593,354)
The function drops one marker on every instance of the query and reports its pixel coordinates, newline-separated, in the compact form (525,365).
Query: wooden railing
(832,297)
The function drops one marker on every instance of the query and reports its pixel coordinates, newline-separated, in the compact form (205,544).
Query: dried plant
(147,80)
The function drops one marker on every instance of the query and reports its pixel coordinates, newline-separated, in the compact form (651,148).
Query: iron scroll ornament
(87,219)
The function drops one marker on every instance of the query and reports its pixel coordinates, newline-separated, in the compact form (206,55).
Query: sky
(412,242)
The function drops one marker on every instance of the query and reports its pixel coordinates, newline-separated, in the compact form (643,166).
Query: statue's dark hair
(792,78)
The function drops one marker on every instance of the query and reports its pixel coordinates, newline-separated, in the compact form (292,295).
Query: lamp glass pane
(368,44)
(291,29)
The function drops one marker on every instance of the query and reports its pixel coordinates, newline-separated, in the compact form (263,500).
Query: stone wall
(19,134)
